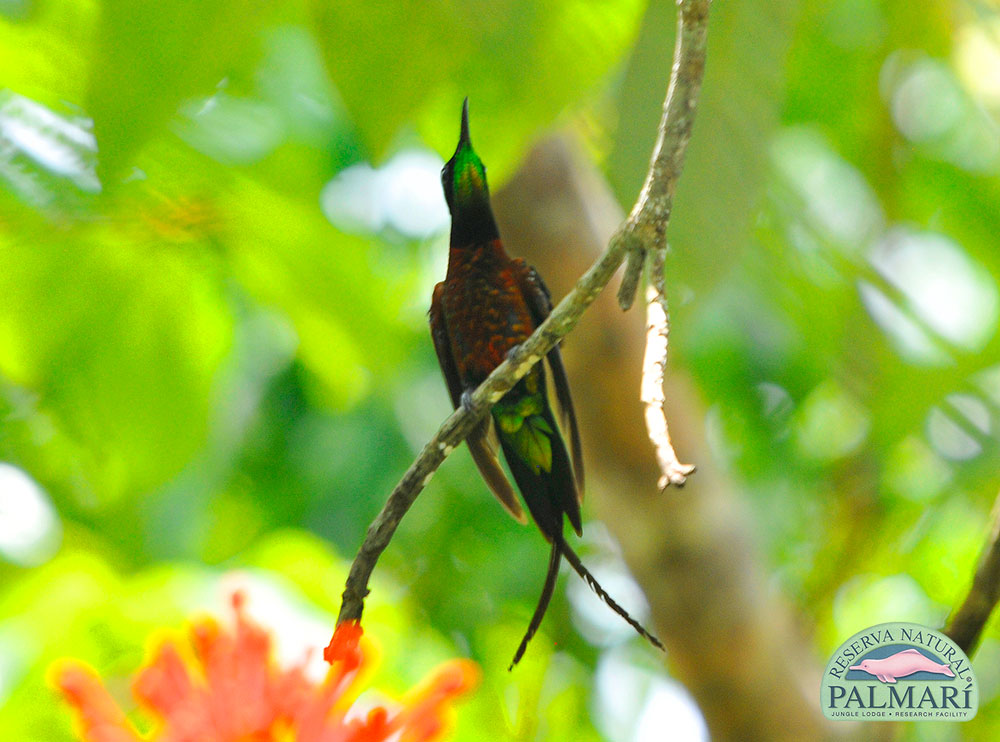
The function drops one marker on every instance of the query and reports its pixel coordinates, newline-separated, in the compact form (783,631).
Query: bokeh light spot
(926,102)
(405,194)
(908,338)
(634,704)
(977,59)
(955,297)
(914,471)
(950,429)
(30,531)
(830,423)
(837,197)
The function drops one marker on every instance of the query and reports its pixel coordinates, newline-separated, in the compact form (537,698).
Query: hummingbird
(487,305)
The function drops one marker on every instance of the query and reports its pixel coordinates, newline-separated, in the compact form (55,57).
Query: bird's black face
(447,180)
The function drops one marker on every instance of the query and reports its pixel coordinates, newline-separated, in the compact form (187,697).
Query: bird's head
(464,175)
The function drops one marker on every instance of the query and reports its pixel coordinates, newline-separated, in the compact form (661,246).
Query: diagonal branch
(644,229)
(966,627)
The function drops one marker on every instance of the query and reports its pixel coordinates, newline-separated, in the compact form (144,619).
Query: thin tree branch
(654,365)
(644,229)
(646,226)
(966,627)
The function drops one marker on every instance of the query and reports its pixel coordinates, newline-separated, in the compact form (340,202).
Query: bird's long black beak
(463,138)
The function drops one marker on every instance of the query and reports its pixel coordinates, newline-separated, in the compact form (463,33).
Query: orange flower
(233,692)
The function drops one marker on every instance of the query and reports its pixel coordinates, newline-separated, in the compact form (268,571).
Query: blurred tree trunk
(730,639)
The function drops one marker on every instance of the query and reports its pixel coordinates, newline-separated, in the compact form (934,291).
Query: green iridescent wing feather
(539,301)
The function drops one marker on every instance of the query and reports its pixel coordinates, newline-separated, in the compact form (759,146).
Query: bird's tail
(555,557)
(561,549)
(574,560)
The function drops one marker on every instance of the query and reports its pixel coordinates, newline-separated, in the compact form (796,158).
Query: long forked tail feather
(555,557)
(561,549)
(574,560)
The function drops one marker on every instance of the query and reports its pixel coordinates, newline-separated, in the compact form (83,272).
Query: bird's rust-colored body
(486,312)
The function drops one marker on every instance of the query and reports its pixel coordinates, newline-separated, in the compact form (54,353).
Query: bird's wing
(482,440)
(442,346)
(539,301)
(483,446)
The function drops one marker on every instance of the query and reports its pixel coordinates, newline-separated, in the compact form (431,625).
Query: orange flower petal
(233,692)
(375,728)
(427,712)
(100,718)
(165,684)
(238,673)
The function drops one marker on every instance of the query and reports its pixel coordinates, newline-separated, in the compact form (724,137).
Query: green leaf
(520,62)
(152,56)
(117,342)
(344,306)
(44,55)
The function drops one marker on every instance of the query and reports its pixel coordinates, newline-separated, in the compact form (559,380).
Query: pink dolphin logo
(900,664)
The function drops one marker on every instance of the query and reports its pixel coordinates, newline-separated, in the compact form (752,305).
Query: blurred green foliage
(205,375)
